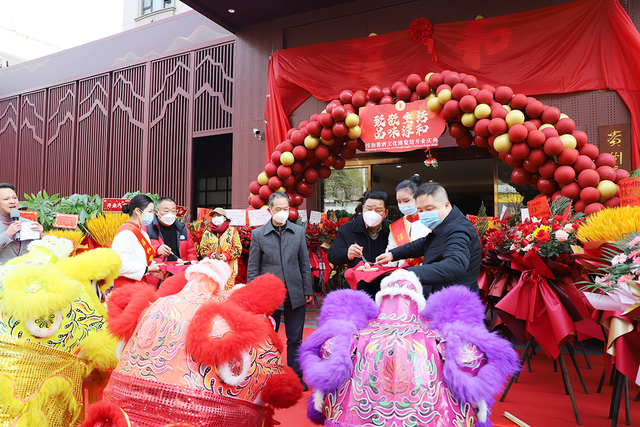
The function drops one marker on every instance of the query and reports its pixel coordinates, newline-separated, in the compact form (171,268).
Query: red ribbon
(315,260)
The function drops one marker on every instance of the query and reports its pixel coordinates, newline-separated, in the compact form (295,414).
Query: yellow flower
(541,230)
(610,224)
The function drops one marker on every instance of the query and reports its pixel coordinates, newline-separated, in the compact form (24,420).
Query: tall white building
(140,12)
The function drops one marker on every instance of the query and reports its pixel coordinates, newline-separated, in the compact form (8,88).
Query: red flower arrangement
(196,230)
(245,239)
(321,234)
(420,31)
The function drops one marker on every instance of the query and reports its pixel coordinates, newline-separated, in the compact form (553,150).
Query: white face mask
(371,218)
(281,217)
(168,219)
(217,221)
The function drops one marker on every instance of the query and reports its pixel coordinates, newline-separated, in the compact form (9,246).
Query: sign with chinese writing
(66,221)
(237,217)
(259,217)
(302,215)
(539,208)
(616,139)
(32,215)
(400,127)
(113,205)
(315,217)
(181,211)
(630,191)
(203,213)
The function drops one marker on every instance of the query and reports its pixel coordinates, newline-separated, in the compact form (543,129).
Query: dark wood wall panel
(8,138)
(213,89)
(128,125)
(169,131)
(31,142)
(59,174)
(93,135)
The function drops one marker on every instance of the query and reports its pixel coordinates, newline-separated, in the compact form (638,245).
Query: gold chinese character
(614,138)
(618,156)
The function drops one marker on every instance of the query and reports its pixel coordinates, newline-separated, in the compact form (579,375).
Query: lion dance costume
(407,362)
(196,354)
(51,332)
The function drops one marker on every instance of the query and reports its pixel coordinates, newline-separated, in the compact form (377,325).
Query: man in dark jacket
(364,238)
(170,238)
(280,247)
(452,251)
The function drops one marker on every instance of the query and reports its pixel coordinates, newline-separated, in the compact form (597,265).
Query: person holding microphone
(11,225)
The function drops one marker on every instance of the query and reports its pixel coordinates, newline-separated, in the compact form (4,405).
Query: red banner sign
(66,221)
(113,205)
(630,191)
(181,211)
(203,213)
(539,208)
(32,215)
(400,127)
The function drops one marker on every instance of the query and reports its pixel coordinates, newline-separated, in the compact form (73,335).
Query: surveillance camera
(256,132)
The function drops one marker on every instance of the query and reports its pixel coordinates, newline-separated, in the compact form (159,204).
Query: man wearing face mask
(170,237)
(364,238)
(279,247)
(452,251)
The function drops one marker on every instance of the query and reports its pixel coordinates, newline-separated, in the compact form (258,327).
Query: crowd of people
(432,239)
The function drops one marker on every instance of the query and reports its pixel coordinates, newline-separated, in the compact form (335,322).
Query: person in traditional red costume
(132,242)
(408,228)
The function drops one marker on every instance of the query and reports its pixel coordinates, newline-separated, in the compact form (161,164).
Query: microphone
(15,216)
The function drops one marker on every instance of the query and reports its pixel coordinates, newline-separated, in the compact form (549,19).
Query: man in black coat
(364,238)
(452,251)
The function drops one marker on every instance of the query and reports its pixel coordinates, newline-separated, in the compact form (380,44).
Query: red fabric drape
(582,45)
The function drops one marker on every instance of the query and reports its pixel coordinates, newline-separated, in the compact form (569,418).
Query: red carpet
(538,398)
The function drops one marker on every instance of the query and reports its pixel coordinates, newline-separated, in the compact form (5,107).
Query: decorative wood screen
(31,142)
(8,138)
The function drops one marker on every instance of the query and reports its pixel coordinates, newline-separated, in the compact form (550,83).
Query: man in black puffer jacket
(452,251)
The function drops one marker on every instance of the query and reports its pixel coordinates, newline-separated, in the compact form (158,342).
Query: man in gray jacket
(279,247)
(10,247)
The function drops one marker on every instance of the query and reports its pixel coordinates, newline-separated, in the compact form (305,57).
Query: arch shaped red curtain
(582,45)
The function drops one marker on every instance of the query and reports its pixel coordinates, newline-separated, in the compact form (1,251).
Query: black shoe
(305,387)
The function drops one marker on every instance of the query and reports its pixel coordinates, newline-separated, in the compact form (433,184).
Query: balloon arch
(537,140)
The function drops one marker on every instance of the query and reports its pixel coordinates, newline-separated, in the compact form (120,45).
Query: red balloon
(359,98)
(537,157)
(422,89)
(309,193)
(311,175)
(621,174)
(352,144)
(533,181)
(452,79)
(481,141)
(324,172)
(345,96)
(302,187)
(271,169)
(550,132)
(503,94)
(490,147)
(588,178)
(534,109)
(499,113)
(484,97)
(265,192)
(518,133)
(568,156)
(340,129)
(579,206)
(297,137)
(275,182)
(571,190)
(339,164)
(279,147)
(457,129)
(257,202)
(293,214)
(375,93)
(519,176)
(321,152)
(339,113)
(326,134)
(290,132)
(555,196)
(275,157)
(414,97)
(536,138)
(565,125)
(387,100)
(441,88)
(468,103)
(297,199)
(296,167)
(590,151)
(551,115)
(303,124)
(284,171)
(482,127)
(497,126)
(254,187)
(606,173)
(512,161)
(403,93)
(613,202)
(593,208)
(451,108)
(606,159)
(581,139)
(529,167)
(564,175)
(465,141)
(314,128)
(286,146)
(413,80)
(519,102)
(547,185)
(330,160)
(326,120)
(460,90)
(582,162)
(530,126)
(553,146)
(300,152)
(347,153)
(288,181)
(435,80)
(520,151)
(470,81)
(489,88)
(548,169)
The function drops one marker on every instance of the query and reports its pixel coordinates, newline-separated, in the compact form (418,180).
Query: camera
(256,133)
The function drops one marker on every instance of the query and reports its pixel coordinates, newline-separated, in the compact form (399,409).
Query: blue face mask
(407,208)
(430,219)
(147,219)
